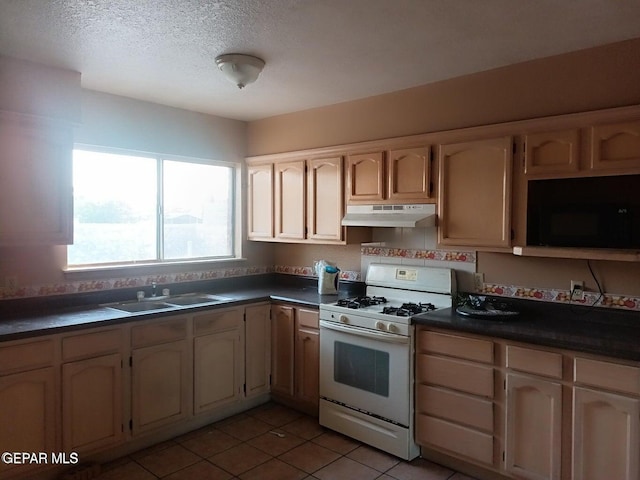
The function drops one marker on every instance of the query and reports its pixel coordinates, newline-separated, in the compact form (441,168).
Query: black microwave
(585,226)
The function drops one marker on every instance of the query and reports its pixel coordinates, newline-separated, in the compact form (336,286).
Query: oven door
(367,370)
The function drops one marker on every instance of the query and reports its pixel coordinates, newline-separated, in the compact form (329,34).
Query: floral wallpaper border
(439,255)
(624,302)
(310,272)
(128,282)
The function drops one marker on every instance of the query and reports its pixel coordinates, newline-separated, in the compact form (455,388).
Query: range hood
(422,215)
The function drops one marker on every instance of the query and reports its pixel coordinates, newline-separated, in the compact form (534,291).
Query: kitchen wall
(602,77)
(113,121)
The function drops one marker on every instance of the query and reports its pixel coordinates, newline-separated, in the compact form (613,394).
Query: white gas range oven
(367,355)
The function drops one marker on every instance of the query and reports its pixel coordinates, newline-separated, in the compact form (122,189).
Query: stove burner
(361,302)
(408,309)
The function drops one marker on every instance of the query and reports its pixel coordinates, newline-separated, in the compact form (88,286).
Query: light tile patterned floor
(270,442)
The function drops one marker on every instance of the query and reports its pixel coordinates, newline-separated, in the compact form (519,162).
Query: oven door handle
(362,332)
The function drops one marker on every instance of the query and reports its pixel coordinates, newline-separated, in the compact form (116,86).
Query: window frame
(236,213)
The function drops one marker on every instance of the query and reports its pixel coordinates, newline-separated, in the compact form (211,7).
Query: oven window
(363,368)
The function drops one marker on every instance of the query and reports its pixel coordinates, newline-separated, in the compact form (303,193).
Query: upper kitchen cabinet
(306,196)
(392,176)
(551,152)
(474,200)
(289,200)
(616,147)
(36,198)
(260,202)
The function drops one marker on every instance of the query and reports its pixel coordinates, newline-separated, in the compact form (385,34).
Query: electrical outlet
(577,290)
(478,281)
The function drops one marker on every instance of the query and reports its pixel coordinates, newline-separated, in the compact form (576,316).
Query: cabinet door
(606,439)
(551,152)
(409,174)
(161,385)
(282,325)
(260,202)
(365,177)
(92,403)
(218,370)
(290,200)
(325,199)
(35,185)
(475,193)
(616,147)
(533,422)
(307,351)
(28,414)
(257,349)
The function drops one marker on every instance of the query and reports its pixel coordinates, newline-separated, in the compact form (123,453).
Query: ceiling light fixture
(239,68)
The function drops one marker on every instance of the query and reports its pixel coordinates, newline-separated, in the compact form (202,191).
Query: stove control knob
(344,319)
(393,328)
(381,326)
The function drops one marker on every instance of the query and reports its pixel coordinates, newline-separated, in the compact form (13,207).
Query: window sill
(151,268)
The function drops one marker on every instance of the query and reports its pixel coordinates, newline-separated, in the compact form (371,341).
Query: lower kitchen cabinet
(161,374)
(554,414)
(218,359)
(533,427)
(295,359)
(92,390)
(257,334)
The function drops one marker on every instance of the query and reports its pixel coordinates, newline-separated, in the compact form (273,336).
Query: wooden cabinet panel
(26,356)
(607,375)
(36,199)
(538,362)
(465,409)
(92,403)
(454,438)
(218,369)
(533,428)
(307,354)
(325,205)
(161,385)
(260,194)
(455,346)
(290,200)
(616,146)
(159,332)
(88,345)
(474,194)
(217,321)
(457,374)
(282,348)
(551,152)
(257,349)
(365,177)
(28,414)
(409,174)
(606,435)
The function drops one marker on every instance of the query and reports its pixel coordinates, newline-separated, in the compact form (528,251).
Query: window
(133,208)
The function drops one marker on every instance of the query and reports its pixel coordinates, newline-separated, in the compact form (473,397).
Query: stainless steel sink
(195,299)
(133,307)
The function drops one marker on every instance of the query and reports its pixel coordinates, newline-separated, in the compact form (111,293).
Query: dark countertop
(53,318)
(597,330)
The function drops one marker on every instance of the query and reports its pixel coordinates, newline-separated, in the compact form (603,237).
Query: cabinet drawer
(472,411)
(458,375)
(26,356)
(455,438)
(159,332)
(217,321)
(456,346)
(539,362)
(91,344)
(611,376)
(308,318)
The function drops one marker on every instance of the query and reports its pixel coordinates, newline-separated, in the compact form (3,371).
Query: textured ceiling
(317,52)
